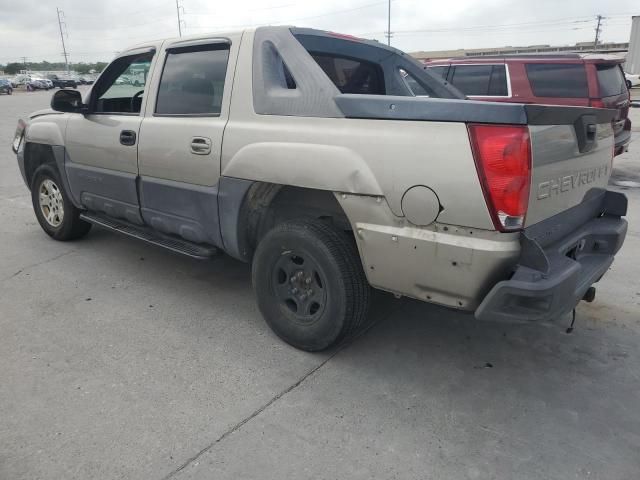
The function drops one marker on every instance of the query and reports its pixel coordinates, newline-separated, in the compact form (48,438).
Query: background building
(582,47)
(633,57)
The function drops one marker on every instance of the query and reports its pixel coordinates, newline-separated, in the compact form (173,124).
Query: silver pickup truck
(333,164)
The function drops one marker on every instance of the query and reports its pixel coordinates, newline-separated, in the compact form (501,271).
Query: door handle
(201,145)
(128,137)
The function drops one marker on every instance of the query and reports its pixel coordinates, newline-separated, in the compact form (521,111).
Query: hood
(45,111)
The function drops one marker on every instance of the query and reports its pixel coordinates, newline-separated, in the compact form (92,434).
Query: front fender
(45,132)
(322,167)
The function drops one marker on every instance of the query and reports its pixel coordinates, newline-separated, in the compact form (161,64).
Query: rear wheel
(57,216)
(629,84)
(310,285)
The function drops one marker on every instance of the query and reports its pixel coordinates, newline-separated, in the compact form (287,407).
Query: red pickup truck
(586,80)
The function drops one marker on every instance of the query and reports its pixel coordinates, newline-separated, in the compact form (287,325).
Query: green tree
(13,68)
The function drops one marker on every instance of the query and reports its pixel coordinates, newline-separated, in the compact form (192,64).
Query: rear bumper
(623,139)
(553,274)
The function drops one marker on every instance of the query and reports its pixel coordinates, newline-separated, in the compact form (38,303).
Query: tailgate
(571,149)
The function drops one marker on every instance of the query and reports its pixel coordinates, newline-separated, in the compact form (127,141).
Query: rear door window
(480,80)
(567,80)
(611,80)
(352,75)
(192,81)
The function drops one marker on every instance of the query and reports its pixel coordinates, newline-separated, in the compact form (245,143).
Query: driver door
(102,145)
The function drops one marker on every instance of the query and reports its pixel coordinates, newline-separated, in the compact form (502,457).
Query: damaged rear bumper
(560,259)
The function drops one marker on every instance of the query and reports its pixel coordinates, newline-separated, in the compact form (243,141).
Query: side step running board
(148,235)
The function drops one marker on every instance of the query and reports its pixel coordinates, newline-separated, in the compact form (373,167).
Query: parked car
(33,83)
(60,81)
(564,79)
(21,79)
(307,154)
(6,87)
(85,80)
(632,80)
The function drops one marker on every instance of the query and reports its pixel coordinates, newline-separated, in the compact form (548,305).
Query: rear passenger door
(181,138)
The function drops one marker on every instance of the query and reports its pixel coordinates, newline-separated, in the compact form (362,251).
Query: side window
(498,83)
(558,79)
(192,81)
(412,84)
(352,75)
(472,79)
(122,85)
(440,70)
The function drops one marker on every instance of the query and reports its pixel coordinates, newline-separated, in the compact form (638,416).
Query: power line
(135,25)
(497,27)
(291,20)
(118,15)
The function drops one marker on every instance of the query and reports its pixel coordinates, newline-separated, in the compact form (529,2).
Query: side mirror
(68,101)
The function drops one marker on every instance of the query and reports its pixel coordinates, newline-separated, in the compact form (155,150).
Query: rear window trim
(498,64)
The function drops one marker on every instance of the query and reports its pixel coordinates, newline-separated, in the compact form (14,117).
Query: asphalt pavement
(119,360)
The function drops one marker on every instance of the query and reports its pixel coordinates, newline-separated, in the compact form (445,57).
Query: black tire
(70,226)
(336,291)
(629,84)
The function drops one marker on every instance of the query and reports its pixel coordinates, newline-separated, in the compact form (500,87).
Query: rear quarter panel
(360,156)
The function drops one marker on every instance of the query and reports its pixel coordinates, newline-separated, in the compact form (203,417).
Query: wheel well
(36,154)
(268,204)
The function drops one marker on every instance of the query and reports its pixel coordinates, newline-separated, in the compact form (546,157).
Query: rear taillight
(503,159)
(596,103)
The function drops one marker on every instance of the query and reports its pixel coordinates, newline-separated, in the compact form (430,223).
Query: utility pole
(180,21)
(24,64)
(389,23)
(598,30)
(64,48)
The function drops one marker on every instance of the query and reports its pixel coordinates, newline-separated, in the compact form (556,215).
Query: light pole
(389,23)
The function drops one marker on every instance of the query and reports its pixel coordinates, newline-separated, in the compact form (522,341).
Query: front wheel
(57,216)
(310,285)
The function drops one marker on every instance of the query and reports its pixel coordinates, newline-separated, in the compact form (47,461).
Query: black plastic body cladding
(467,111)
